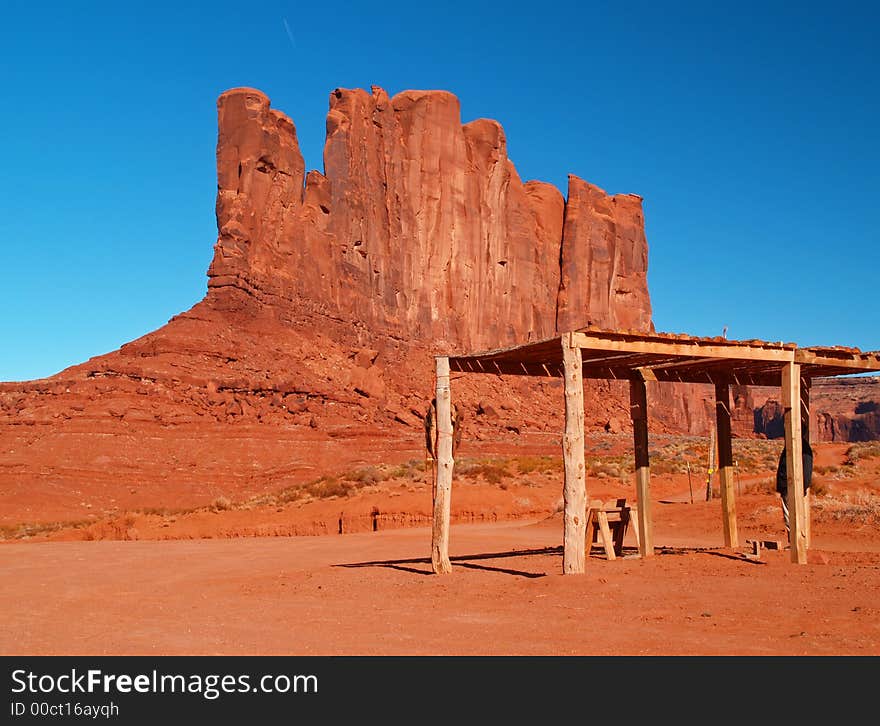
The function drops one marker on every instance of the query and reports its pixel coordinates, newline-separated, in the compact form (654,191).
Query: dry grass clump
(366,476)
(32,529)
(220,504)
(412,469)
(753,456)
(342,485)
(858,508)
(616,468)
(163,511)
(493,471)
(541,464)
(861,451)
(330,486)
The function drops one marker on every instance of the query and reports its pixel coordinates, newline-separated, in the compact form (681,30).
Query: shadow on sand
(471,561)
(468,561)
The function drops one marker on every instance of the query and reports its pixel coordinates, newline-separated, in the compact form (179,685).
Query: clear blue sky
(749,128)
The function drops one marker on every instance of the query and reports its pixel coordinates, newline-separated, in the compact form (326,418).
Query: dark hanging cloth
(782,472)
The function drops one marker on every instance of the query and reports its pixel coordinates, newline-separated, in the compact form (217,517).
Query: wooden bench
(609,521)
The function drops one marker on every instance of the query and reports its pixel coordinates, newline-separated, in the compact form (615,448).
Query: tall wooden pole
(574,491)
(710,468)
(638,404)
(794,462)
(725,464)
(806,422)
(443,485)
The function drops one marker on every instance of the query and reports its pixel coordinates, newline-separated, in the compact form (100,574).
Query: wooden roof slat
(668,357)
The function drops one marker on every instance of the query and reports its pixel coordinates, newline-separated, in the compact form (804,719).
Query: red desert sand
(208,591)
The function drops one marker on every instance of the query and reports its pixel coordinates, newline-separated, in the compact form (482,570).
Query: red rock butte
(419,227)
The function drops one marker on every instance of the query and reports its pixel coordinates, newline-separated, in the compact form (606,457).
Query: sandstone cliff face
(604,261)
(420,227)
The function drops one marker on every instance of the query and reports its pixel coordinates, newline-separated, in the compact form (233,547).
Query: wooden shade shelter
(637,358)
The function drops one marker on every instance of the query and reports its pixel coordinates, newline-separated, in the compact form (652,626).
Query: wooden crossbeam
(583,340)
(865,361)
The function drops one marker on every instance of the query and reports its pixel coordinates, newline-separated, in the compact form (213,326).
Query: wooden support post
(638,404)
(574,491)
(443,484)
(806,422)
(725,464)
(794,462)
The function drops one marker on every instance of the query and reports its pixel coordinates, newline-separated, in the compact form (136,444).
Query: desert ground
(270,572)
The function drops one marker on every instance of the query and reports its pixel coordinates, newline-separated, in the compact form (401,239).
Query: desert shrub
(491,470)
(763,486)
(412,469)
(666,465)
(604,469)
(610,466)
(25,530)
(329,486)
(544,464)
(220,504)
(163,511)
(367,475)
(861,451)
(290,494)
(494,474)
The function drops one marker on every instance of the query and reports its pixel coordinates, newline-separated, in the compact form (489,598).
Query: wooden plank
(590,531)
(737,352)
(506,368)
(623,518)
(725,464)
(605,531)
(443,485)
(847,360)
(632,520)
(574,491)
(791,403)
(605,359)
(638,402)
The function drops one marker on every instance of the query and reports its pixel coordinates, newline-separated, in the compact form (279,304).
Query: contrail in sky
(289,33)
